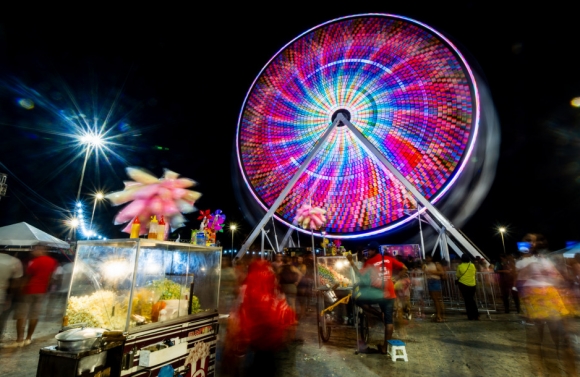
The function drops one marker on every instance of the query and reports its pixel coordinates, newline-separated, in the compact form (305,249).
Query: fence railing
(487,296)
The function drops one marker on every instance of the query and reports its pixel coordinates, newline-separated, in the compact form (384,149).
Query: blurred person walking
(35,285)
(418,288)
(289,277)
(433,273)
(465,276)
(303,285)
(506,269)
(10,273)
(538,282)
(403,302)
(258,326)
(59,287)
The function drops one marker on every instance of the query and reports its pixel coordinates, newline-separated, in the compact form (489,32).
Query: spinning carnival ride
(365,116)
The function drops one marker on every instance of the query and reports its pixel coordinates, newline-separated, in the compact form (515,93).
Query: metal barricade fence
(487,292)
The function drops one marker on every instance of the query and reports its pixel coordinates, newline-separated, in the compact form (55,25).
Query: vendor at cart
(380,270)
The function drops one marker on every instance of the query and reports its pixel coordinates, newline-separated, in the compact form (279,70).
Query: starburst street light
(233,228)
(74,223)
(502,230)
(91,141)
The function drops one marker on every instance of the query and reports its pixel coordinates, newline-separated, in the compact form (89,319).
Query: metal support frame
(445,223)
(442,224)
(287,189)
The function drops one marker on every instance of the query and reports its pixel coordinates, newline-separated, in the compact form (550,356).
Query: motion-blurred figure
(35,286)
(403,302)
(434,273)
(538,283)
(61,280)
(228,285)
(289,277)
(303,286)
(418,288)
(259,324)
(10,272)
(380,270)
(506,268)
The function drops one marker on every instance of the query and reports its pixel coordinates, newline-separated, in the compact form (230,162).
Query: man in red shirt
(35,285)
(380,269)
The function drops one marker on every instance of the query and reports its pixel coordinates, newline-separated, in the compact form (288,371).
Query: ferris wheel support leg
(286,238)
(263,234)
(288,187)
(445,223)
(275,235)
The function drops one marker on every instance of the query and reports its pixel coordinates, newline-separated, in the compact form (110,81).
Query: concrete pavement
(494,346)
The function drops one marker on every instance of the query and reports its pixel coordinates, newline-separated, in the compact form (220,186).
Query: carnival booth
(141,306)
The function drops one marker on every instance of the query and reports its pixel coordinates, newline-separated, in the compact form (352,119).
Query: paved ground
(490,347)
(494,346)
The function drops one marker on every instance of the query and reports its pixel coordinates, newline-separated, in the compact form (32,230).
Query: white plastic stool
(396,349)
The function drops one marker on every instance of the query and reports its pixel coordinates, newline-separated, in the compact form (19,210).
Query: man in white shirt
(10,270)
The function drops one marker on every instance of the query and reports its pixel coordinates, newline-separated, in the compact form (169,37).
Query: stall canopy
(23,234)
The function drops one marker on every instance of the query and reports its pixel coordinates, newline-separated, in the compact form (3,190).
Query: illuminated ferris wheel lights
(419,107)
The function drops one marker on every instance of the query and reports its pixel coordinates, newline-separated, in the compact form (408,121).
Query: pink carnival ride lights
(403,85)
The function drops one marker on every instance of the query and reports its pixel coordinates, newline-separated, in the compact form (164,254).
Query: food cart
(335,279)
(153,304)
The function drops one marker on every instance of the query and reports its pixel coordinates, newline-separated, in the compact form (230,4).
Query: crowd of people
(542,288)
(29,290)
(267,300)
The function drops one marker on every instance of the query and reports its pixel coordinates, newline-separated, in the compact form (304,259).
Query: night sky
(171,87)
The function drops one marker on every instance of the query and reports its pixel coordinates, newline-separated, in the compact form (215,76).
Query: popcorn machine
(161,296)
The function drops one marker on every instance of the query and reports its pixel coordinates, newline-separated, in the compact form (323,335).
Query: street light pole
(91,141)
(88,147)
(98,196)
(502,231)
(233,229)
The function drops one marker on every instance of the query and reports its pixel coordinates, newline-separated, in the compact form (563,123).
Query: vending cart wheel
(324,328)
(363,327)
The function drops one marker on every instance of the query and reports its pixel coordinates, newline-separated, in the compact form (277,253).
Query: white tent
(23,234)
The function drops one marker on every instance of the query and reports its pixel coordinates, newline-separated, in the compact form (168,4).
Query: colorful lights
(404,86)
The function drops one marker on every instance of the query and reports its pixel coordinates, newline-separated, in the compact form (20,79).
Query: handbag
(364,291)
(457,278)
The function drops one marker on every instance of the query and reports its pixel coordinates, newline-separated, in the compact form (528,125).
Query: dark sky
(178,81)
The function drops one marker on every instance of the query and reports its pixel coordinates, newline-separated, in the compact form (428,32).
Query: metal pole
(83,172)
(92,216)
(262,251)
(502,242)
(421,230)
(288,187)
(275,235)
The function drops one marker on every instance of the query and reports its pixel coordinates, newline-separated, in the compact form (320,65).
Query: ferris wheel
(364,116)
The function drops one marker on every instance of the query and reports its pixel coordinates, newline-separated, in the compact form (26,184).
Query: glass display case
(126,284)
(334,271)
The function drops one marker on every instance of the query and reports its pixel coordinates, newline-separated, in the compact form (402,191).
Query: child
(402,303)
(418,287)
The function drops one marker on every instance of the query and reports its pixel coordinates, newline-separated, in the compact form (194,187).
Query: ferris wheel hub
(345,113)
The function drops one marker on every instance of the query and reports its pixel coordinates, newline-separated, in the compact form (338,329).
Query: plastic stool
(396,349)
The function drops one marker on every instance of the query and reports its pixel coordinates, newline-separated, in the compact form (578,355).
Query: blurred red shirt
(39,272)
(384,273)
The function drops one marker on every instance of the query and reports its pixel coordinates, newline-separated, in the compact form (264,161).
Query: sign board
(405,251)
